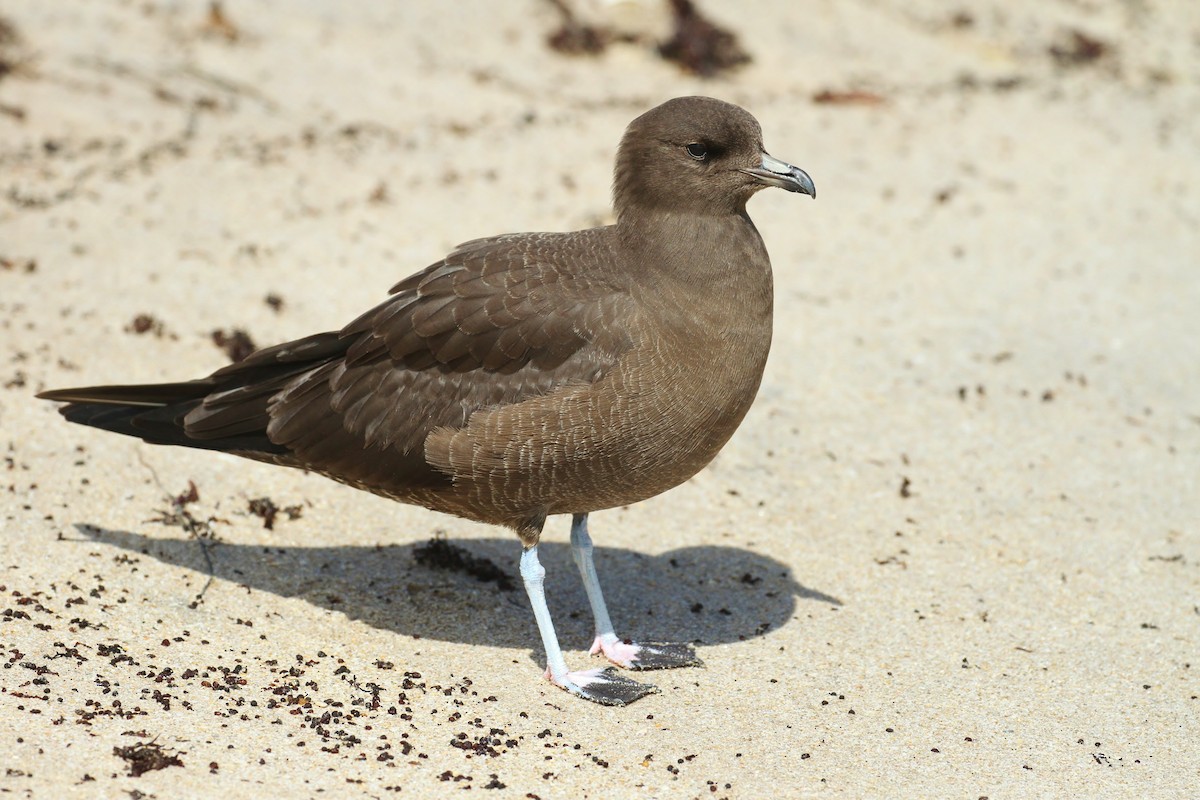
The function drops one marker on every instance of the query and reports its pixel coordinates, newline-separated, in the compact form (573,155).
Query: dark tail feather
(147,394)
(239,395)
(153,412)
(161,425)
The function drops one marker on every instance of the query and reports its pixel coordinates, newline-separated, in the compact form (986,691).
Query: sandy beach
(953,551)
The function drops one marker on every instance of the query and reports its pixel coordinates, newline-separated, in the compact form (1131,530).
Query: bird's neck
(705,290)
(723,253)
(708,282)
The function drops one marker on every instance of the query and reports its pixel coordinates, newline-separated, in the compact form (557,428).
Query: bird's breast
(698,348)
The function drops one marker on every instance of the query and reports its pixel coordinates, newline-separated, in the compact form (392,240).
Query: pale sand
(994,302)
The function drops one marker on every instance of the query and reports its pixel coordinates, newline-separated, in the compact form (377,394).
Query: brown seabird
(527,374)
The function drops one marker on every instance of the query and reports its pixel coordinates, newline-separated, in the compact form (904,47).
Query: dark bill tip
(774,172)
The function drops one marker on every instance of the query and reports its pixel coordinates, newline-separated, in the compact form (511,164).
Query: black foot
(605,686)
(663,655)
(643,656)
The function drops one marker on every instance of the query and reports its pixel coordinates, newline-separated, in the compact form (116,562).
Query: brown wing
(498,321)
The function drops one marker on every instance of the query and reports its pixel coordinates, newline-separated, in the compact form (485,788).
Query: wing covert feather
(491,324)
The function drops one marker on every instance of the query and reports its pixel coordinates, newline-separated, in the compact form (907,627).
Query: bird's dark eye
(697,151)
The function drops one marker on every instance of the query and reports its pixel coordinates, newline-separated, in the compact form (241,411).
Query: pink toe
(622,654)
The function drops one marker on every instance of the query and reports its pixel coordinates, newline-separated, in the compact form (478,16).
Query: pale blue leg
(600,685)
(647,655)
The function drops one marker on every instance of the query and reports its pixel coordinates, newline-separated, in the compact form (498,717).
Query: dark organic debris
(146,323)
(1004,83)
(8,33)
(9,39)
(438,553)
(236,343)
(962,19)
(698,45)
(265,507)
(852,97)
(380,194)
(218,25)
(190,496)
(146,757)
(180,517)
(574,37)
(26,265)
(1077,48)
(274,302)
(481,745)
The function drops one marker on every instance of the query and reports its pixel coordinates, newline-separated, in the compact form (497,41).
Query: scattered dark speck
(850,97)
(146,323)
(8,38)
(218,25)
(236,343)
(379,195)
(1076,48)
(265,507)
(574,37)
(26,265)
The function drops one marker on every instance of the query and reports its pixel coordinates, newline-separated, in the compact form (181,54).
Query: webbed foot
(604,686)
(641,656)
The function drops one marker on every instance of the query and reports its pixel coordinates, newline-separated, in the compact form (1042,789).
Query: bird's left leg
(631,655)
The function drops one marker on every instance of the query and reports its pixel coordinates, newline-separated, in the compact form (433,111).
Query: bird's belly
(648,426)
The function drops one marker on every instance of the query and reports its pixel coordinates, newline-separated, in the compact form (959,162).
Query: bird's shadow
(707,594)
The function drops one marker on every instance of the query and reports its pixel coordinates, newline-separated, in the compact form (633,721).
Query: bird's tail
(234,399)
(152,412)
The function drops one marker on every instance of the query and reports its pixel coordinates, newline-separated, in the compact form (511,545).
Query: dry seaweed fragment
(852,97)
(438,553)
(1077,48)
(9,40)
(574,37)
(146,757)
(236,343)
(265,508)
(698,45)
(218,25)
(146,323)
